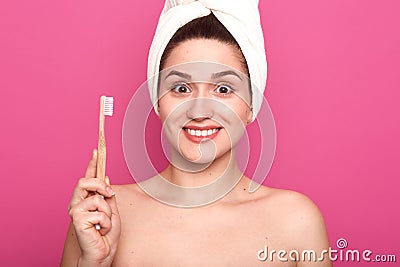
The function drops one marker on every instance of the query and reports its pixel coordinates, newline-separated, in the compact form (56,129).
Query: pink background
(333,85)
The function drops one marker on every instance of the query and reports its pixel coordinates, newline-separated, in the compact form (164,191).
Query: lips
(197,134)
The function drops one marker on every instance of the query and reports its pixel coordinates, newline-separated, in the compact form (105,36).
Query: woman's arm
(93,203)
(309,233)
(72,250)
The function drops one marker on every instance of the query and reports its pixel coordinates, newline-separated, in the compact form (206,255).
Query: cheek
(242,111)
(172,112)
(165,107)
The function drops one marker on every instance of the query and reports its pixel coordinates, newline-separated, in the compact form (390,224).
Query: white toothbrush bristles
(108,105)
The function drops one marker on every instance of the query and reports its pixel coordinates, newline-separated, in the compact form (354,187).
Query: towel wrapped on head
(240,17)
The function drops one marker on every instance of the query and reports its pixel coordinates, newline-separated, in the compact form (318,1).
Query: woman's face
(204,102)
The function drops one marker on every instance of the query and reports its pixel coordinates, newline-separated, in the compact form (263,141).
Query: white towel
(240,17)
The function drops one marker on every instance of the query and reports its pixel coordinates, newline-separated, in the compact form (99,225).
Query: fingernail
(109,190)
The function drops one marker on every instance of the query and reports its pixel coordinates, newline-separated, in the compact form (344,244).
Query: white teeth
(202,133)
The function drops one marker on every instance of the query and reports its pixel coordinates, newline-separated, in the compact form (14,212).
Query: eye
(223,89)
(181,88)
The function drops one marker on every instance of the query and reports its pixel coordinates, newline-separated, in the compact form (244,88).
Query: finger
(107,180)
(91,168)
(93,203)
(88,220)
(87,186)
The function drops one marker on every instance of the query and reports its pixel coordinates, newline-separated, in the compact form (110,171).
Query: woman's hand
(93,202)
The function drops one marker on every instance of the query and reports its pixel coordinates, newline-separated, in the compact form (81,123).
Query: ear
(250,116)
(157,109)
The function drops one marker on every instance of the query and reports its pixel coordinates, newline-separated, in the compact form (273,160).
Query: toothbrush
(106,109)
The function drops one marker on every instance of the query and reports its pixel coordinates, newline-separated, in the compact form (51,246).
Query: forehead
(205,50)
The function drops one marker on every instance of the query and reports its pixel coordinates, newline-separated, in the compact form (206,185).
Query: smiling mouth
(201,133)
(198,135)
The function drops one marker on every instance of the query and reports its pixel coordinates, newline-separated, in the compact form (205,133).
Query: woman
(236,228)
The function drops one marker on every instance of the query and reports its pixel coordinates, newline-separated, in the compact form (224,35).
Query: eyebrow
(178,73)
(225,73)
(213,76)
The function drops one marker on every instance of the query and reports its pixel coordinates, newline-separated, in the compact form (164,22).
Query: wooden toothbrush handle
(101,147)
(101,158)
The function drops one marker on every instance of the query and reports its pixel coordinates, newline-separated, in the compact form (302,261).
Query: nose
(200,109)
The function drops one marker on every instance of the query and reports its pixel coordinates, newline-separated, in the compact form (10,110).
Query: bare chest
(195,238)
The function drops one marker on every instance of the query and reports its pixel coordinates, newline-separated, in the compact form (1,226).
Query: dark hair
(208,27)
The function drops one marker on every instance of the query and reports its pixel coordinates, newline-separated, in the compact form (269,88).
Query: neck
(196,175)
(206,185)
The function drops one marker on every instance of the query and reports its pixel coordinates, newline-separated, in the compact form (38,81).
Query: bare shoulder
(129,196)
(297,217)
(127,189)
(289,201)
(293,207)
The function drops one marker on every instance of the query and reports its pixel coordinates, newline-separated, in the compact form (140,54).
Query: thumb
(91,168)
(112,201)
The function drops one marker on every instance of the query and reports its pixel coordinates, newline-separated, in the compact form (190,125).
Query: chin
(204,153)
(197,154)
